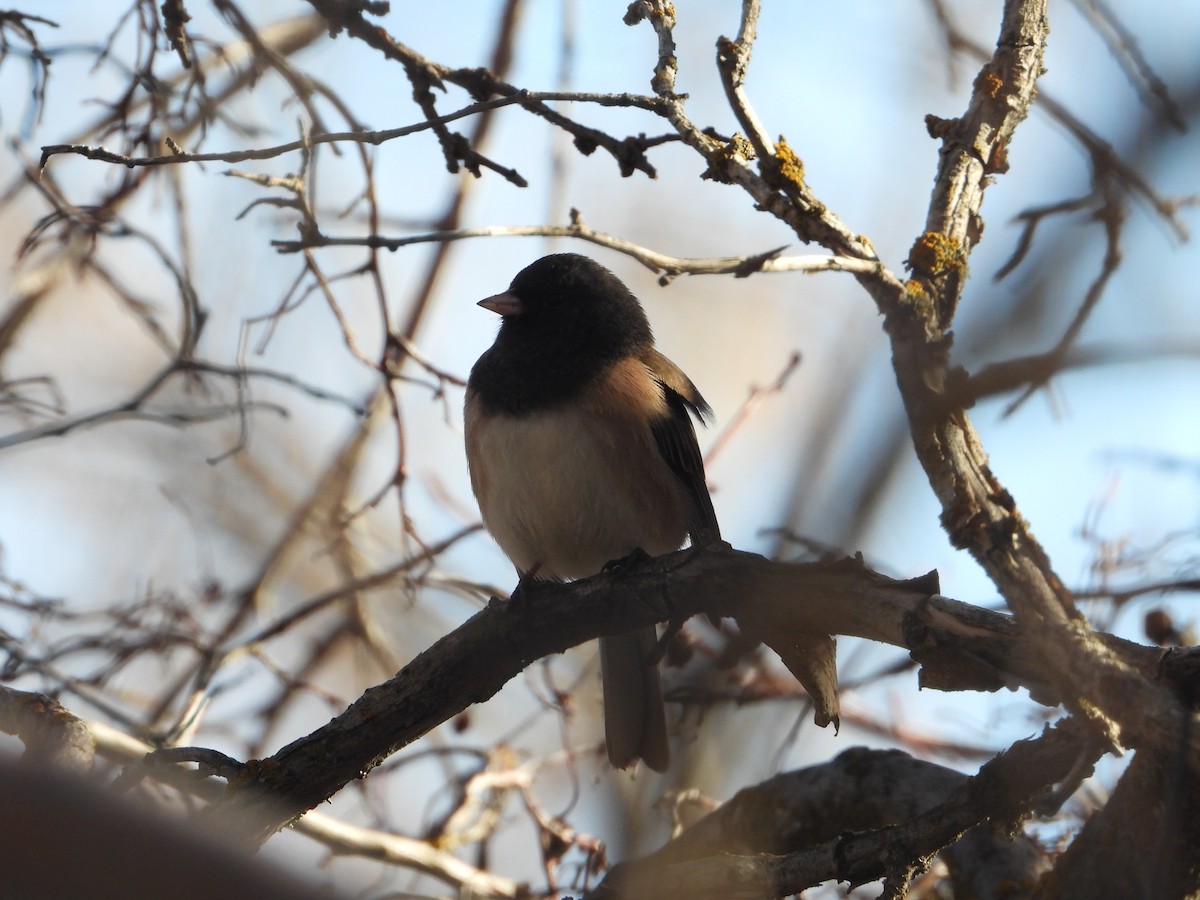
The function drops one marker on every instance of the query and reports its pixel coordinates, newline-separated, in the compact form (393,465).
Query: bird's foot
(527,583)
(626,563)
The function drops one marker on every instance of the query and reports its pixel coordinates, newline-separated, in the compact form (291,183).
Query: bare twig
(359,137)
(1113,219)
(756,397)
(340,837)
(733,57)
(1125,50)
(669,266)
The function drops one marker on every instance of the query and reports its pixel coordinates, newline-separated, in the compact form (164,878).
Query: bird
(582,451)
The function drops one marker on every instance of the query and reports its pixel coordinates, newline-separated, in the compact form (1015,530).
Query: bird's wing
(676,438)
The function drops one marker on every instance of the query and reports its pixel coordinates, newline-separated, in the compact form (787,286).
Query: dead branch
(959,646)
(865,815)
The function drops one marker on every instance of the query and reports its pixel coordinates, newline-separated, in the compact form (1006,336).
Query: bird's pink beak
(505,304)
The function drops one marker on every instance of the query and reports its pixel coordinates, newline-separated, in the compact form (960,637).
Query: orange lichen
(915,290)
(999,159)
(918,296)
(935,254)
(989,82)
(790,166)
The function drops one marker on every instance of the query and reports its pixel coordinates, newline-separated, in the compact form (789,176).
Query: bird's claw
(626,563)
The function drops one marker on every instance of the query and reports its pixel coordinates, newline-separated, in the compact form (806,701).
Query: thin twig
(733,57)
(103,154)
(669,266)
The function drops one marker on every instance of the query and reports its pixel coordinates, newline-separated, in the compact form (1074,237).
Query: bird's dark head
(573,303)
(565,320)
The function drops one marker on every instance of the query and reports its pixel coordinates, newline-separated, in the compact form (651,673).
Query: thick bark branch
(51,734)
(1151,822)
(978,513)
(865,815)
(787,605)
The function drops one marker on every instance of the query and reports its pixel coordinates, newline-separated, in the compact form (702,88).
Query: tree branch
(342,838)
(669,266)
(375,138)
(977,511)
(868,814)
(959,646)
(51,734)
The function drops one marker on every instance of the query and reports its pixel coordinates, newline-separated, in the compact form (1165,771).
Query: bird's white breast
(570,489)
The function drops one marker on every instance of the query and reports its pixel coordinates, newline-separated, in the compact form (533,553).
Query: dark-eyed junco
(582,450)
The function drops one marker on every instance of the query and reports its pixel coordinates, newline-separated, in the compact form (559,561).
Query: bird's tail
(635,724)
